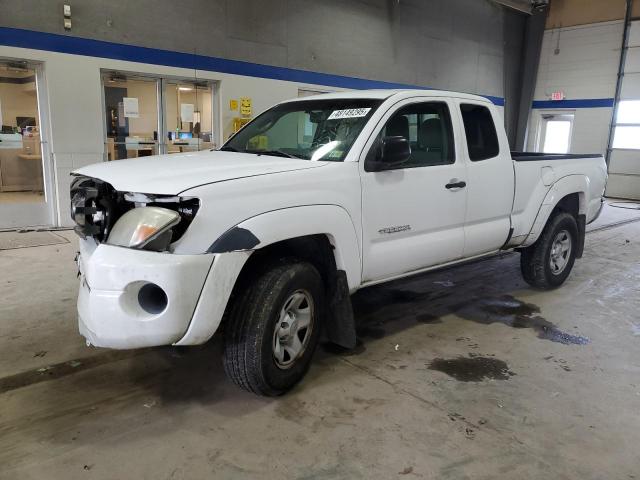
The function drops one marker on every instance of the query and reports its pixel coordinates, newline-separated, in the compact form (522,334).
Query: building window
(626,133)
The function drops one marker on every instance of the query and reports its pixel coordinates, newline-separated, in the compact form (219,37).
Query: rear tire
(267,348)
(548,262)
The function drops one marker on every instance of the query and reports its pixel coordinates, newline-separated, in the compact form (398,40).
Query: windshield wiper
(274,153)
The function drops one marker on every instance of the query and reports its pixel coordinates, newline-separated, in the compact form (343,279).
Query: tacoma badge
(400,228)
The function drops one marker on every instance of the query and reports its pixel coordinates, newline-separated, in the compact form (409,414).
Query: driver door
(413,214)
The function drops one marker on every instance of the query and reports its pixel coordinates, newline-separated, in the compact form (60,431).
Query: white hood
(173,174)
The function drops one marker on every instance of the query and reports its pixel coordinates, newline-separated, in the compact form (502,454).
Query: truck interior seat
(398,126)
(430,141)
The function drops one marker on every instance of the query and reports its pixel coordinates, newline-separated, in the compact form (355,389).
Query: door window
(556,139)
(25,168)
(188,116)
(21,179)
(131,108)
(427,127)
(555,134)
(482,139)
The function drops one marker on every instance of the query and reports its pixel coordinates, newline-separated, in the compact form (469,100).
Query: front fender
(568,185)
(233,248)
(278,225)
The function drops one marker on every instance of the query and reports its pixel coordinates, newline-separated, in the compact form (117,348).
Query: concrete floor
(465,373)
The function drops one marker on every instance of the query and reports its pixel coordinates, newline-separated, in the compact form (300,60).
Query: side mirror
(391,152)
(395,150)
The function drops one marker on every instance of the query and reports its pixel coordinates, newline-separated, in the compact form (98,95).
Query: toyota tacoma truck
(266,238)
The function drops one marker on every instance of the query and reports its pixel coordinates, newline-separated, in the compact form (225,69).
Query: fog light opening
(152,298)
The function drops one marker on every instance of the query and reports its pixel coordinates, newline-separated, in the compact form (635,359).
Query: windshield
(309,130)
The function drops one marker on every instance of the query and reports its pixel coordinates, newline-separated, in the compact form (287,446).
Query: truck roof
(383,94)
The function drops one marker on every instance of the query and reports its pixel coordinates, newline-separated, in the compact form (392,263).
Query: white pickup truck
(314,199)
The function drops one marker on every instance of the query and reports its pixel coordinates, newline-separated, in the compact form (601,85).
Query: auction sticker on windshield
(349,113)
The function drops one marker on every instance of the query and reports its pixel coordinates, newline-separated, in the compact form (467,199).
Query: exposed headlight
(144,227)
(92,207)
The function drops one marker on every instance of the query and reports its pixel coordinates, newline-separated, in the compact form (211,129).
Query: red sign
(557,96)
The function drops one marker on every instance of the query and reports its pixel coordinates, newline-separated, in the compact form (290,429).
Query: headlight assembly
(146,228)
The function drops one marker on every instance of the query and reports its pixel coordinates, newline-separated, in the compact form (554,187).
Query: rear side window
(482,140)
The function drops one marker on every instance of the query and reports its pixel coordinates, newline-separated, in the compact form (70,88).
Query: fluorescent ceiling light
(185,89)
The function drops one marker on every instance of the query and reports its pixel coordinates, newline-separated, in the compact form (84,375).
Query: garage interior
(465,372)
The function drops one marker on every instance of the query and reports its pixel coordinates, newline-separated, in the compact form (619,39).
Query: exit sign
(557,96)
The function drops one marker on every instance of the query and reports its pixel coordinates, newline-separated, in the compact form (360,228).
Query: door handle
(455,183)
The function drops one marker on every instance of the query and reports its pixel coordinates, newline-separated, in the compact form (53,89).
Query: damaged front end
(129,219)
(136,296)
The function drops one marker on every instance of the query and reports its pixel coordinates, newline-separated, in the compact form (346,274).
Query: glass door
(188,116)
(131,109)
(24,200)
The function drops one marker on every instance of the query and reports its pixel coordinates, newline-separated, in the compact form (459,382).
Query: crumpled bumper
(110,311)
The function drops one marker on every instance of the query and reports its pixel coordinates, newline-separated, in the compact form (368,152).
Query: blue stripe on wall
(579,103)
(15,37)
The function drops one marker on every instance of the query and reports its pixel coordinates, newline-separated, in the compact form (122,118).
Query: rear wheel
(547,263)
(273,329)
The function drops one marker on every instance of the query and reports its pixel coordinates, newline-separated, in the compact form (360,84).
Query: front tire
(547,263)
(273,329)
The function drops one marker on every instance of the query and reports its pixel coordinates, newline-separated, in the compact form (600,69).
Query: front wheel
(547,263)
(273,329)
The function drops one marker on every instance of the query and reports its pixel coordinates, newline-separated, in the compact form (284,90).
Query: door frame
(161,85)
(546,115)
(475,229)
(49,177)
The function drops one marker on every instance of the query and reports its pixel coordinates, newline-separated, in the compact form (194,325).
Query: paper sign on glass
(130,106)
(186,112)
(349,113)
(245,106)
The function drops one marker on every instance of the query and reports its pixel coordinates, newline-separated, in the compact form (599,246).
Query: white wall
(73,88)
(585,67)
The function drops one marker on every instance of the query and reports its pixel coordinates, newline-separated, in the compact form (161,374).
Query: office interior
(149,116)
(21,178)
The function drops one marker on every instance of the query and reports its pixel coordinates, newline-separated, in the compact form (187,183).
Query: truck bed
(535,173)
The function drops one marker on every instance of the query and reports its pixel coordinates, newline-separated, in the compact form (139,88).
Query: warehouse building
(447,347)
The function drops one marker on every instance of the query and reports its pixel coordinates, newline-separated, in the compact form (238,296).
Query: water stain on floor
(406,296)
(516,314)
(428,318)
(472,369)
(62,369)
